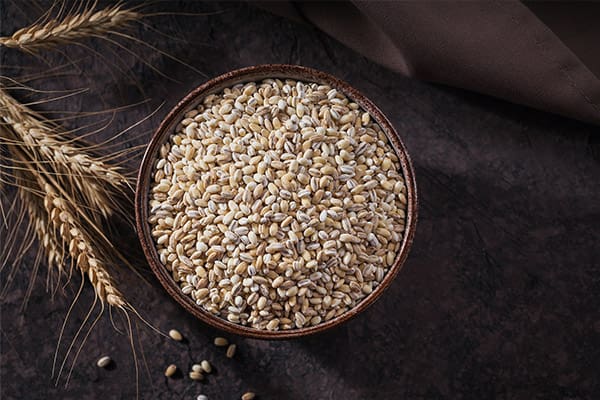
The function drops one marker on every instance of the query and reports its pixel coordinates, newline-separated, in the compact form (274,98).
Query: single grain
(231,350)
(175,335)
(104,362)
(249,396)
(170,371)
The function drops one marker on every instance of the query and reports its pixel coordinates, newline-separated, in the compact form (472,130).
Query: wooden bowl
(167,126)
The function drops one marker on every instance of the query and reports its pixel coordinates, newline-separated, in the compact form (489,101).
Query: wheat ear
(80,248)
(88,23)
(95,180)
(62,229)
(41,225)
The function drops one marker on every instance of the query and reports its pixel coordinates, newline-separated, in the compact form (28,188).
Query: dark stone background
(498,299)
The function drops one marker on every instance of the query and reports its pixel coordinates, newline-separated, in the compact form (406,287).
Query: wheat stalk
(88,23)
(96,180)
(68,193)
(39,219)
(65,191)
(81,249)
(62,229)
(65,188)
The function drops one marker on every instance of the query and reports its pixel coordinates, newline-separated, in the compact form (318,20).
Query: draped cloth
(544,55)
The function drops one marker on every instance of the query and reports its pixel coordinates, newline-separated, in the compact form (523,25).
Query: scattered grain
(197,368)
(104,362)
(175,335)
(197,376)
(231,350)
(206,367)
(249,396)
(170,371)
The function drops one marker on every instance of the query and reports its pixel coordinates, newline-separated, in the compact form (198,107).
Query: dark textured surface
(499,297)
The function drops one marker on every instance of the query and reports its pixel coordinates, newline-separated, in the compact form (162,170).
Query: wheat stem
(95,180)
(87,23)
(61,230)
(65,223)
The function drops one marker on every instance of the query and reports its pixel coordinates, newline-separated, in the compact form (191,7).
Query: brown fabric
(576,24)
(498,48)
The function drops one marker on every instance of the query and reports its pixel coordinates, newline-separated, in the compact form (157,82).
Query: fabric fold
(497,48)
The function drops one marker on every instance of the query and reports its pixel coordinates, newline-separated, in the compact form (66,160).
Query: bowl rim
(253,74)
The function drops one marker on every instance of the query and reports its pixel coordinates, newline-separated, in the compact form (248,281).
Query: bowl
(258,73)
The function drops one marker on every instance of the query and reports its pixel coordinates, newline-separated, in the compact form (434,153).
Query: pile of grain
(277,205)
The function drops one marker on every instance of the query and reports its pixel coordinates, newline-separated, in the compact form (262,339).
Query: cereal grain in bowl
(276,207)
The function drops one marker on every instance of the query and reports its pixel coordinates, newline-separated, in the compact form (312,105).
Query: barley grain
(297,205)
(196,376)
(231,350)
(175,335)
(170,371)
(104,362)
(197,368)
(206,367)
